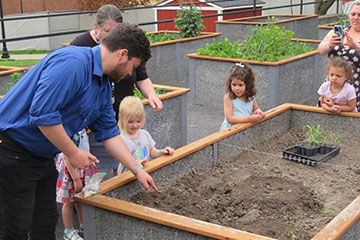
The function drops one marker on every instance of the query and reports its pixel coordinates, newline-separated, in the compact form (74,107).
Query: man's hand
(146,180)
(155,103)
(82,159)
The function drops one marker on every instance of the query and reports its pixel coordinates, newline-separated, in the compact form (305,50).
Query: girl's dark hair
(130,37)
(340,62)
(243,72)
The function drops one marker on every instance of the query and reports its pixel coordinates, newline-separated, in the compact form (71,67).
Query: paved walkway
(27,56)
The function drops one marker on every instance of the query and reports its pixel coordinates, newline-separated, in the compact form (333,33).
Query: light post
(5,53)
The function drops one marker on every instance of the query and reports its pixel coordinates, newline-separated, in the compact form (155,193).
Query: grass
(18,63)
(21,63)
(29,51)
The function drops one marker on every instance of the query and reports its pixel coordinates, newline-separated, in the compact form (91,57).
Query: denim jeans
(27,193)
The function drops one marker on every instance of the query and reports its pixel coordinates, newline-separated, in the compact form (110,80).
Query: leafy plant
(318,136)
(138,94)
(314,134)
(189,21)
(14,78)
(343,20)
(267,43)
(161,37)
(292,235)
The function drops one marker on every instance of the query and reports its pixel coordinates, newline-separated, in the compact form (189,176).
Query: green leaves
(268,43)
(138,94)
(317,136)
(161,37)
(189,21)
(14,77)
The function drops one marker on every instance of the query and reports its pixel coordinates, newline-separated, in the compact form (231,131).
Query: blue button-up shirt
(67,87)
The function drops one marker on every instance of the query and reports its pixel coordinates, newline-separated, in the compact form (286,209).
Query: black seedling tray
(292,154)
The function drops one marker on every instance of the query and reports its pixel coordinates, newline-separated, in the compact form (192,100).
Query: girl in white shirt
(338,93)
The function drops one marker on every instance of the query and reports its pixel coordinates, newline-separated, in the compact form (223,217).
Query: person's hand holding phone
(338,37)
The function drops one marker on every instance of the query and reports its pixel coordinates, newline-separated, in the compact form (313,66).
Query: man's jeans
(27,193)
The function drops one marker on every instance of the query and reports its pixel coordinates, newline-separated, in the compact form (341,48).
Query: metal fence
(5,40)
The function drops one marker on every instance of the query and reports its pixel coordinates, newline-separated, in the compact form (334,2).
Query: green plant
(292,235)
(14,78)
(314,134)
(189,21)
(343,20)
(161,37)
(318,136)
(138,94)
(268,43)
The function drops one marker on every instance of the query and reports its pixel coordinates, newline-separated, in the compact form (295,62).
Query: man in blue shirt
(65,92)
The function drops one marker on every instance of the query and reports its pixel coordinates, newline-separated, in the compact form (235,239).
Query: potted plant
(281,64)
(312,142)
(329,143)
(304,26)
(169,64)
(318,141)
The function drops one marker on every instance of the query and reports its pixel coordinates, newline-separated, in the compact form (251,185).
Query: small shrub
(189,21)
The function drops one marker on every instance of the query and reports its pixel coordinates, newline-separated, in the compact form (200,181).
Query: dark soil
(262,193)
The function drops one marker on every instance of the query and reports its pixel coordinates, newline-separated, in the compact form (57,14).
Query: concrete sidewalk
(26,56)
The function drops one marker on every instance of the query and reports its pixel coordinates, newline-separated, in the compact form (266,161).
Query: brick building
(31,6)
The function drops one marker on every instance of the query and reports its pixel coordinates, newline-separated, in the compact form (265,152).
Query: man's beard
(118,72)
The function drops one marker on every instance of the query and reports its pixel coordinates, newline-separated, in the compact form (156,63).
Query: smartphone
(339,31)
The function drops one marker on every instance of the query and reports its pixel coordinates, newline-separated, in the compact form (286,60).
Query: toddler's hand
(257,117)
(336,109)
(142,161)
(258,111)
(78,185)
(328,101)
(168,150)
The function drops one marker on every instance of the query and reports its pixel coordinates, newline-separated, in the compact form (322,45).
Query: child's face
(337,76)
(238,87)
(133,125)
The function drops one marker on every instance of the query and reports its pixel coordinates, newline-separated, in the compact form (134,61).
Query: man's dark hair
(130,37)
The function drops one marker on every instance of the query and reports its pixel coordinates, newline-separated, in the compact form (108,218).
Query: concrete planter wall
(5,73)
(304,26)
(109,215)
(325,29)
(169,64)
(168,127)
(294,80)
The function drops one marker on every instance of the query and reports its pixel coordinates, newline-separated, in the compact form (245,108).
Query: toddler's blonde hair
(130,105)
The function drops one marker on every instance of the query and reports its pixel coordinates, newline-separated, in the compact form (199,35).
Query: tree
(322,6)
(89,5)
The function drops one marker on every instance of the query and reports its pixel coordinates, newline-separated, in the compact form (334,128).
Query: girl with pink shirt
(338,94)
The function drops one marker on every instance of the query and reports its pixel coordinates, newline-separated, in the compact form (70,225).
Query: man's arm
(117,148)
(77,158)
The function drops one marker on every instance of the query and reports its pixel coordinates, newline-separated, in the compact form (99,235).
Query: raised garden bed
(294,79)
(5,77)
(169,64)
(325,29)
(168,127)
(332,187)
(304,26)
